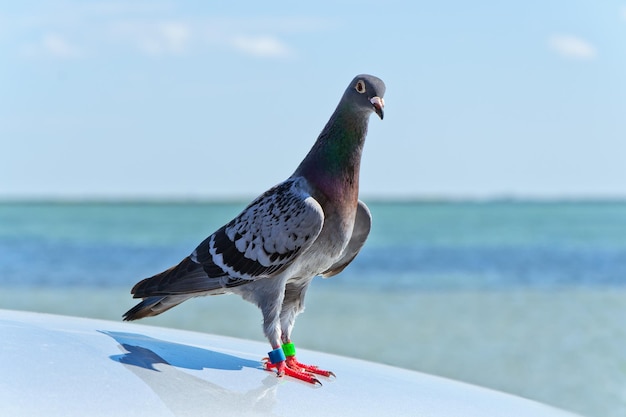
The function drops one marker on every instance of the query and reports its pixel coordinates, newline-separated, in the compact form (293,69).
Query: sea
(526,297)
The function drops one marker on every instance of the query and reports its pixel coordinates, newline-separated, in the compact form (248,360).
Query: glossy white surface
(66,366)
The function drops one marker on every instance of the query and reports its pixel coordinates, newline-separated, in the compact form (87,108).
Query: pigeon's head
(366,93)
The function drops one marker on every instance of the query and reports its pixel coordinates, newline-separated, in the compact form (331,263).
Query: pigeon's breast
(329,245)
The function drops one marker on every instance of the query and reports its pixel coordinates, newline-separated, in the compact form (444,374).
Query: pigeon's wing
(259,243)
(362,226)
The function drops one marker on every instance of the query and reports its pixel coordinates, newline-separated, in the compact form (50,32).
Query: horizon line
(413,198)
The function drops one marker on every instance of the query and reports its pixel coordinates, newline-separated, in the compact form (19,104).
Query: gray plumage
(310,224)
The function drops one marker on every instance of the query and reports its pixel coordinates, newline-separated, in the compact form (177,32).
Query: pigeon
(311,224)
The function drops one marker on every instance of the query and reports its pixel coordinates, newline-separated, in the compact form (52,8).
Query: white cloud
(50,45)
(572,47)
(152,28)
(155,38)
(57,46)
(261,46)
(624,12)
(177,37)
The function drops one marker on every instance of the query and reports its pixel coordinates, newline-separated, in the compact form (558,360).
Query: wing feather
(268,235)
(264,239)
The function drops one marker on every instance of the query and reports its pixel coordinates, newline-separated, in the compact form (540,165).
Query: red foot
(291,367)
(293,363)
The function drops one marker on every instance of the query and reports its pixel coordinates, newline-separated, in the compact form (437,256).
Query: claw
(302,376)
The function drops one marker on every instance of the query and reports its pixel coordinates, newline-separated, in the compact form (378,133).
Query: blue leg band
(276,355)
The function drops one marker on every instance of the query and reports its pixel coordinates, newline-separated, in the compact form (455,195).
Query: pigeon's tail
(152,306)
(171,287)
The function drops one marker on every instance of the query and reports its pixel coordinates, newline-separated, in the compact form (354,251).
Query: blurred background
(130,131)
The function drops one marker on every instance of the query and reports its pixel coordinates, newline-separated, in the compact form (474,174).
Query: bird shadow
(145,352)
(158,363)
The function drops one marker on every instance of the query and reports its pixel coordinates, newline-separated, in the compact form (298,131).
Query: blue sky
(106,99)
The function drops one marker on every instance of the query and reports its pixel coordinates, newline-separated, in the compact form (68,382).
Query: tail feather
(185,278)
(171,287)
(152,306)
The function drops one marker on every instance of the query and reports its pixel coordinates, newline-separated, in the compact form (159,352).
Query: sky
(196,100)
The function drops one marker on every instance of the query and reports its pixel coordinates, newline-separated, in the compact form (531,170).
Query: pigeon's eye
(360,86)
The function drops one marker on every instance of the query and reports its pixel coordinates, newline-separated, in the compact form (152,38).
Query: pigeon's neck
(333,164)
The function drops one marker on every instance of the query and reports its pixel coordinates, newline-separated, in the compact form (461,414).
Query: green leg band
(289,349)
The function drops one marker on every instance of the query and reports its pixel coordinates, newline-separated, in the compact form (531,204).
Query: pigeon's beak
(379,105)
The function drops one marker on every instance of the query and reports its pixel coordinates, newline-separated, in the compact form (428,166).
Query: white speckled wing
(267,236)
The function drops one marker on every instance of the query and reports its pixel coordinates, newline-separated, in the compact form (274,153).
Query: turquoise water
(524,297)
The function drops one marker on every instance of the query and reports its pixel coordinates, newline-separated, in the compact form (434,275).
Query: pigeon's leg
(278,319)
(276,359)
(269,298)
(292,306)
